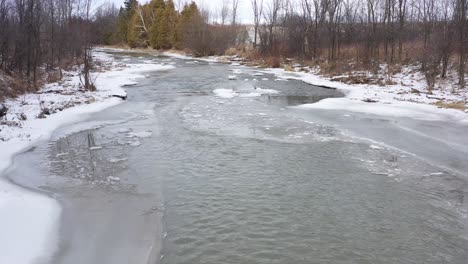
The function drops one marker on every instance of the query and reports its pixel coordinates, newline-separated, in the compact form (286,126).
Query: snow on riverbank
(407,97)
(28,220)
(230,93)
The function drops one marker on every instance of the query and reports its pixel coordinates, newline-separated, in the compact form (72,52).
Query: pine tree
(130,5)
(189,13)
(125,14)
(133,33)
(166,26)
(172,18)
(157,9)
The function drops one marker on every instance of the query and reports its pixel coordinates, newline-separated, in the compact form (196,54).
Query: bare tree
(445,37)
(224,12)
(401,22)
(372,22)
(333,14)
(235,5)
(142,25)
(271,18)
(461,22)
(257,8)
(4,32)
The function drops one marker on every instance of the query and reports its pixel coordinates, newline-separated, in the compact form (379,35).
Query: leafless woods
(430,32)
(43,36)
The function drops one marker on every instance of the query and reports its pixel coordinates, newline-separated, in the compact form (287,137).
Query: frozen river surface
(185,173)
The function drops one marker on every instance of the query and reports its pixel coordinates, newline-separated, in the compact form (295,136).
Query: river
(177,175)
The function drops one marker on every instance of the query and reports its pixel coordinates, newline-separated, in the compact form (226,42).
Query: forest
(39,38)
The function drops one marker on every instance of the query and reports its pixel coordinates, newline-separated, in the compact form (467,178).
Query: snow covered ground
(407,97)
(28,220)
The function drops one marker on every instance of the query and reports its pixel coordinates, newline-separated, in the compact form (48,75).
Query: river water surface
(178,175)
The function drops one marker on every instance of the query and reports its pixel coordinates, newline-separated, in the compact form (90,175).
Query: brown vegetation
(339,35)
(453,105)
(11,87)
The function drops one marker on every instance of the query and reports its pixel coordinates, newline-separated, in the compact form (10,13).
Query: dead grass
(11,86)
(243,51)
(452,105)
(273,62)
(231,52)
(53,76)
(288,68)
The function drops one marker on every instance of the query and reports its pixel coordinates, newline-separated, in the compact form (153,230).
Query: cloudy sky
(244,10)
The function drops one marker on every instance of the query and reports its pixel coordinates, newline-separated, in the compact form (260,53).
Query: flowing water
(178,175)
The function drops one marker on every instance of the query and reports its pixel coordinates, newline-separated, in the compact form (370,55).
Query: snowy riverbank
(404,95)
(29,220)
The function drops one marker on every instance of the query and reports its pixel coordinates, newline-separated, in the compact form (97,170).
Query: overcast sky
(244,10)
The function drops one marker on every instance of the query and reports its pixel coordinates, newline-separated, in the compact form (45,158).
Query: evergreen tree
(125,15)
(166,26)
(189,14)
(133,32)
(157,9)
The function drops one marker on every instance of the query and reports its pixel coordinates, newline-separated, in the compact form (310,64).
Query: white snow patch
(225,93)
(391,100)
(124,130)
(177,56)
(229,93)
(394,109)
(113,179)
(210,59)
(374,147)
(116,160)
(250,95)
(95,148)
(135,143)
(266,91)
(142,134)
(232,77)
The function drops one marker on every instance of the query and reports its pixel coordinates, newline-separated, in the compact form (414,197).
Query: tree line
(37,36)
(431,32)
(40,36)
(160,25)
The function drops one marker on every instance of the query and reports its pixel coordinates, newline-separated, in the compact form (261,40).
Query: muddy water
(178,175)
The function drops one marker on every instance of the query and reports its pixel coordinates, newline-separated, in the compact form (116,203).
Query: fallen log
(321,86)
(123,97)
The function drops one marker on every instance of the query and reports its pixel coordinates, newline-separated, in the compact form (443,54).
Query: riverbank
(374,92)
(32,118)
(402,92)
